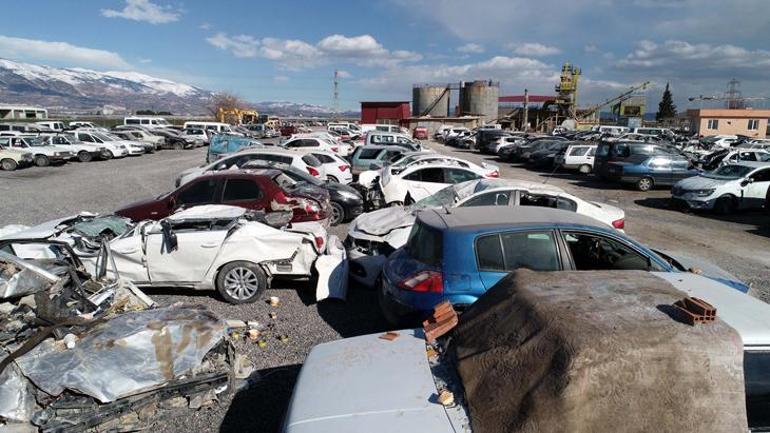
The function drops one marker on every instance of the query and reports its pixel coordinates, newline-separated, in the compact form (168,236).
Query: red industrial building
(391,112)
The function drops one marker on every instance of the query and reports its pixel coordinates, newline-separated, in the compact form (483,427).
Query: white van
(147,121)
(382,128)
(55,125)
(352,127)
(610,129)
(217,127)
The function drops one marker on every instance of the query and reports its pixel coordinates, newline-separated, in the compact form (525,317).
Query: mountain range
(83,90)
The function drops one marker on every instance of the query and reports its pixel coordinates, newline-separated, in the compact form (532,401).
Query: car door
(756,191)
(659,169)
(680,169)
(188,258)
(591,251)
(424,182)
(498,254)
(243,192)
(128,253)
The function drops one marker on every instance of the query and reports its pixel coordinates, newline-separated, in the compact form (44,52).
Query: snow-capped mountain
(75,89)
(78,88)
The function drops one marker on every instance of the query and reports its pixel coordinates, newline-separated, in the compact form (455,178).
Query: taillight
(344,167)
(335,149)
(494,174)
(619,224)
(424,282)
(306,209)
(319,242)
(313,171)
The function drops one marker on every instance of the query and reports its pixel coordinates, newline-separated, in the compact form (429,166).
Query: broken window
(494,198)
(551,201)
(596,253)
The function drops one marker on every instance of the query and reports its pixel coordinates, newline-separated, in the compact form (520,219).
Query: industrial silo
(430,100)
(480,98)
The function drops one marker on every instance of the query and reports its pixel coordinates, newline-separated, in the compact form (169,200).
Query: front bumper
(692,201)
(366,259)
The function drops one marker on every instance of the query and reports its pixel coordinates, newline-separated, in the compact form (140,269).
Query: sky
(289,50)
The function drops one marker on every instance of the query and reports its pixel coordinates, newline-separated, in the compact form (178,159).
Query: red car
(260,189)
(420,133)
(288,130)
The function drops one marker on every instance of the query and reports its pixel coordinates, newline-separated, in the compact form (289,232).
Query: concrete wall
(729,122)
(424,97)
(479,98)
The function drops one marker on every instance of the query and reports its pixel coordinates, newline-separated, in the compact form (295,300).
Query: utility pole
(525,121)
(336,95)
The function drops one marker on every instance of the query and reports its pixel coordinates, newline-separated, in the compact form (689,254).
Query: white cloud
(471,48)
(675,58)
(591,48)
(280,78)
(61,53)
(343,74)
(533,49)
(145,61)
(144,10)
(362,50)
(204,26)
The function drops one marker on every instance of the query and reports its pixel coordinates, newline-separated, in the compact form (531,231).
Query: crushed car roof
(472,217)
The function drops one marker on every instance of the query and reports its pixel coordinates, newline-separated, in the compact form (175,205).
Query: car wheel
(84,156)
(108,154)
(241,282)
(395,204)
(584,169)
(645,184)
(725,205)
(42,161)
(338,213)
(8,165)
(178,145)
(332,179)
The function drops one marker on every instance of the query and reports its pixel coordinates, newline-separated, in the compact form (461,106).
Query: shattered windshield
(729,172)
(446,197)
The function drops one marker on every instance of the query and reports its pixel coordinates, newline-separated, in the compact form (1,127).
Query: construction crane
(620,98)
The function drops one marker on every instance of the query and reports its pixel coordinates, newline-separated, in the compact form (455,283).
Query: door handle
(210,245)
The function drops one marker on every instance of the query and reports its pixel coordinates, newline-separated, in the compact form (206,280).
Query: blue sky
(288,50)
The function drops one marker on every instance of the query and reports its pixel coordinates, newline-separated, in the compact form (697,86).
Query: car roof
(503,216)
(269,172)
(268,151)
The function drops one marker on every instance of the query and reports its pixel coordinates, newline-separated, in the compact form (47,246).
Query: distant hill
(77,89)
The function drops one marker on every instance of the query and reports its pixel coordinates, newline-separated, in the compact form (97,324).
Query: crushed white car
(374,235)
(411,159)
(230,249)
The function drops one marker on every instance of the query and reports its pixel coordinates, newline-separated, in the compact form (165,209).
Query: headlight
(123,146)
(704,192)
(349,195)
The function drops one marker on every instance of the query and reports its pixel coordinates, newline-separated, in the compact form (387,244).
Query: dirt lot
(740,244)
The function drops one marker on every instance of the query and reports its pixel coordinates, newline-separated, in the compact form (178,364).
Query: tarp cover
(595,352)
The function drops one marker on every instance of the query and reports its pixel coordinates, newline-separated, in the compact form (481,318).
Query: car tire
(585,169)
(241,282)
(645,184)
(84,156)
(332,179)
(8,165)
(42,161)
(725,205)
(178,145)
(108,155)
(337,215)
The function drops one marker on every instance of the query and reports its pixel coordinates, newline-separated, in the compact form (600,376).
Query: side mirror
(171,202)
(747,181)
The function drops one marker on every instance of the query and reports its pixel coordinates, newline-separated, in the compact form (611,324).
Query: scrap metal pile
(79,353)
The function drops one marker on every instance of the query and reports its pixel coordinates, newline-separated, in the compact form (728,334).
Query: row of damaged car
(721,174)
(83,351)
(229,249)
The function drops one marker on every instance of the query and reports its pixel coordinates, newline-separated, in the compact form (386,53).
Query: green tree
(666,108)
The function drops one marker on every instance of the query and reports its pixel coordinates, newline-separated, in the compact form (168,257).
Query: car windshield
(446,197)
(106,137)
(299,176)
(729,172)
(403,162)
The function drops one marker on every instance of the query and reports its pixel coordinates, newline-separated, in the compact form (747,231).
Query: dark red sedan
(269,190)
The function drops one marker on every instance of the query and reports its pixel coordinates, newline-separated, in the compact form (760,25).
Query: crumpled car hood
(384,221)
(700,182)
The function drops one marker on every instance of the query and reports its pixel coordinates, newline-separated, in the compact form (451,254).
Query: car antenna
(547,178)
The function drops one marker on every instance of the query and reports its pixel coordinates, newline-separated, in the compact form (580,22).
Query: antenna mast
(336,94)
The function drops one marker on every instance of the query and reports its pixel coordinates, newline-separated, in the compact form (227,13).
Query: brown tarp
(595,352)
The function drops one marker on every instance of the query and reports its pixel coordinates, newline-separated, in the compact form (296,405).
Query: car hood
(309,190)
(700,182)
(334,186)
(383,221)
(348,386)
(709,270)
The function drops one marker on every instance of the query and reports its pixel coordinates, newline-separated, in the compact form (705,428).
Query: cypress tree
(666,108)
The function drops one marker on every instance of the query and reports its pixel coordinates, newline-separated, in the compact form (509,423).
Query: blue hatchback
(460,254)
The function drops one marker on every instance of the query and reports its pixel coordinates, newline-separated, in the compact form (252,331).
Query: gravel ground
(739,243)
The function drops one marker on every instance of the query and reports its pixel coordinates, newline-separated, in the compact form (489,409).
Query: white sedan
(372,236)
(337,168)
(411,159)
(420,180)
(230,249)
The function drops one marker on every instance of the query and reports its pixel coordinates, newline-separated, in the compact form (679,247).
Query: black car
(346,202)
(621,151)
(545,156)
